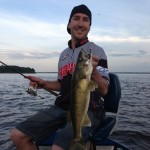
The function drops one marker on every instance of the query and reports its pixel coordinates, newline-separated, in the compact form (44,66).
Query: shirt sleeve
(102,66)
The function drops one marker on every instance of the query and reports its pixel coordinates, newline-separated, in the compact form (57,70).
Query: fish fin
(77,145)
(86,121)
(93,85)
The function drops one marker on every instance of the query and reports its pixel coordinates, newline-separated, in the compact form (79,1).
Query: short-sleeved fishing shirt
(66,66)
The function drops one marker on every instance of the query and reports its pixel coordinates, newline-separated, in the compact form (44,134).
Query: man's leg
(22,141)
(37,127)
(55,147)
(65,135)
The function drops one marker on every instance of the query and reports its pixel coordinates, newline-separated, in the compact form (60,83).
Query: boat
(100,138)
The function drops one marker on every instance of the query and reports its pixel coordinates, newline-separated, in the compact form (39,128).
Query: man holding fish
(83,80)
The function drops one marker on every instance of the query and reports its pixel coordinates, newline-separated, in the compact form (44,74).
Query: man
(41,125)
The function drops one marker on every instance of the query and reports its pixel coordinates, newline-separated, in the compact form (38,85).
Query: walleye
(81,87)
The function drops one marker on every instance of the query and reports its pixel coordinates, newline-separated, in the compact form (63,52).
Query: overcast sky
(33,32)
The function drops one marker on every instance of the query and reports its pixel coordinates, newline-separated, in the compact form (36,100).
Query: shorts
(41,125)
(64,135)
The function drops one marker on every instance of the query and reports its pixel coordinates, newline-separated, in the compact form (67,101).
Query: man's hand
(95,61)
(36,82)
(96,77)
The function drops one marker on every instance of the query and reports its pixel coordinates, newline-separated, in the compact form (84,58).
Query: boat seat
(111,103)
(103,131)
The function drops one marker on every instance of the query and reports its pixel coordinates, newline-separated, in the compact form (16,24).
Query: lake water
(133,129)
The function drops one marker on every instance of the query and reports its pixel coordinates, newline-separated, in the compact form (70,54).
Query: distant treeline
(11,69)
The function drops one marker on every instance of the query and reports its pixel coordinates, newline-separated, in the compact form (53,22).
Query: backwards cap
(80,9)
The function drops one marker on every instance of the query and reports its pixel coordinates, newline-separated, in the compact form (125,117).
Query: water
(133,128)
(134,112)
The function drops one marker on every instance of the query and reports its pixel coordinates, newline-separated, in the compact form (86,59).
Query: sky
(33,32)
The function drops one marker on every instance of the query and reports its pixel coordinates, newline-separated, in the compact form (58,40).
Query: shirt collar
(80,43)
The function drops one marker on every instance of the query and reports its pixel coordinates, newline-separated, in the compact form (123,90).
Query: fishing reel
(33,91)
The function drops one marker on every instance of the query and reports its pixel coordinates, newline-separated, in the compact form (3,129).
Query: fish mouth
(88,54)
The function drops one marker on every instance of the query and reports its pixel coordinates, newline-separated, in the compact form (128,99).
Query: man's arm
(52,85)
(96,76)
(101,82)
(47,85)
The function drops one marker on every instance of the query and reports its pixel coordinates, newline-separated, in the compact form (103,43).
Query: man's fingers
(95,61)
(95,58)
(33,84)
(29,77)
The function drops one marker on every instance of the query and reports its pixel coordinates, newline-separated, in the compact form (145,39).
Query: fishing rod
(13,69)
(29,90)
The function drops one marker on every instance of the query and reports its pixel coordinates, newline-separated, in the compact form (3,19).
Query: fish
(81,86)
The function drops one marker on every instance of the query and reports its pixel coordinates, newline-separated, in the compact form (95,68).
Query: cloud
(20,32)
(29,55)
(139,53)
(36,37)
(143,52)
(119,35)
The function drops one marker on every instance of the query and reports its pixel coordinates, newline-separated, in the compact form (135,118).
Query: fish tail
(77,145)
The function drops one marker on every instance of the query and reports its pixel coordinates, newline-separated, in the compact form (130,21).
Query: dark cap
(80,9)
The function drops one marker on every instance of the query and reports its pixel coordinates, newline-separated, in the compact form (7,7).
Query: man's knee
(55,147)
(17,136)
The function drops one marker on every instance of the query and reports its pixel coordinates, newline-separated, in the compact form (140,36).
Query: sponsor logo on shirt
(102,69)
(67,68)
(65,56)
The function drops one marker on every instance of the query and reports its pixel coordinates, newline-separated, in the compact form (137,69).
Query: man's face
(79,26)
